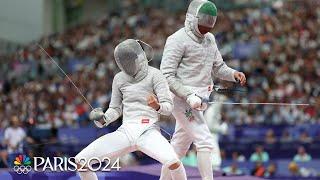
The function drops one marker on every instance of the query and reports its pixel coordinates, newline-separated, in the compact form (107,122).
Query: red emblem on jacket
(145,121)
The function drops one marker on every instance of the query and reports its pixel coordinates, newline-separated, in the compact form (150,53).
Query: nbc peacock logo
(22,164)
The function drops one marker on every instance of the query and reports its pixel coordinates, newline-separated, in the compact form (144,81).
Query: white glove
(224,128)
(97,116)
(194,101)
(203,107)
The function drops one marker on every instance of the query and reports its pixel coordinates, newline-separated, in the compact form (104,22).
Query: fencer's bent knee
(78,166)
(174,164)
(78,161)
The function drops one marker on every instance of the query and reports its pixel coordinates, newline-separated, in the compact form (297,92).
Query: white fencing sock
(205,164)
(165,173)
(88,175)
(179,173)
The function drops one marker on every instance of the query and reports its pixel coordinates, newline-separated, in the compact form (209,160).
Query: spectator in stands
(232,170)
(258,170)
(286,137)
(271,170)
(270,137)
(294,169)
(236,157)
(3,158)
(14,136)
(297,171)
(302,155)
(259,155)
(305,138)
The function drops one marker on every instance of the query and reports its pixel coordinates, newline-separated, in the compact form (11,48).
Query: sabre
(207,101)
(54,62)
(224,90)
(219,89)
(256,103)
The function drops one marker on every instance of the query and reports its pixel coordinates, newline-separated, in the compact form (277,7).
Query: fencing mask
(203,15)
(133,56)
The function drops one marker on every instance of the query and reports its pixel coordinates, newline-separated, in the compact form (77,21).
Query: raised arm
(172,55)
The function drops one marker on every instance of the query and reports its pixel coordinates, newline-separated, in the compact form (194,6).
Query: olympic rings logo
(22,169)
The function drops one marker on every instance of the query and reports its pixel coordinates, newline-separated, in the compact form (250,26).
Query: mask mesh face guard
(207,14)
(206,20)
(126,55)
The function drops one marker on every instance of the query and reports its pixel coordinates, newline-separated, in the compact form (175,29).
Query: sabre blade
(256,103)
(54,62)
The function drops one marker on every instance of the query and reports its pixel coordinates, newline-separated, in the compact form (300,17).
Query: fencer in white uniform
(140,93)
(190,58)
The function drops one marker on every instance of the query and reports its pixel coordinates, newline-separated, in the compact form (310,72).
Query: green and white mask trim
(207,14)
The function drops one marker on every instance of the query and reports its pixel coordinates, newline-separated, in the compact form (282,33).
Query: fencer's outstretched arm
(220,69)
(162,91)
(115,107)
(172,55)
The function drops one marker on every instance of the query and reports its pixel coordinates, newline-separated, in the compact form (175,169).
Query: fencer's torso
(134,98)
(196,64)
(193,61)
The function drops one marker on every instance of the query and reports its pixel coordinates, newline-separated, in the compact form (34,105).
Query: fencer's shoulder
(180,34)
(119,78)
(210,36)
(156,73)
(119,75)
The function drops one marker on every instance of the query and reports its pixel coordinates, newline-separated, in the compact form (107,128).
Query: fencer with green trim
(201,16)
(190,60)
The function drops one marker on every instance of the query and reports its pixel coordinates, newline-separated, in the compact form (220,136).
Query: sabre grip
(204,103)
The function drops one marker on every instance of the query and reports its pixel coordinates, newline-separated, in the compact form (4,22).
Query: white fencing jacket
(189,62)
(129,98)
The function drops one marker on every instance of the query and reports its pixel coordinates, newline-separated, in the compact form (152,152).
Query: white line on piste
(256,103)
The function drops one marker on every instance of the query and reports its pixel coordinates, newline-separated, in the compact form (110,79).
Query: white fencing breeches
(190,128)
(120,142)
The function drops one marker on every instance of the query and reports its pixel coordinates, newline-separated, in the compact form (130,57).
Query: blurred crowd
(285,70)
(287,67)
(259,163)
(33,88)
(281,62)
